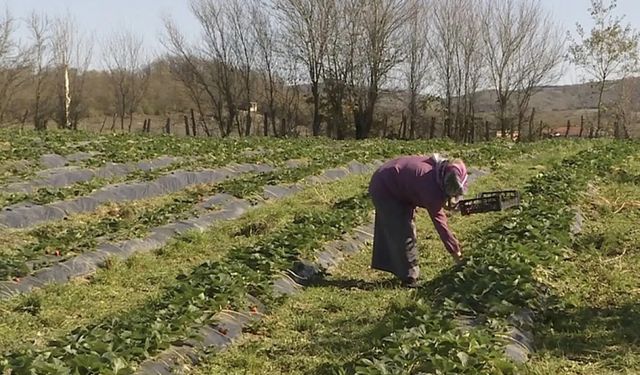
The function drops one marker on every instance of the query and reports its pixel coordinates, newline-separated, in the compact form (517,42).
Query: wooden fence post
(186,125)
(167,126)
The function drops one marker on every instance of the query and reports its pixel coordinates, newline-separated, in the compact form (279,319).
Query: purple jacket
(411,180)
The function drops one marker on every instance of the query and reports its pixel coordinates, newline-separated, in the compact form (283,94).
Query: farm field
(155,254)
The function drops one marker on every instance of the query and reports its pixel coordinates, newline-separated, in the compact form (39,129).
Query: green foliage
(117,344)
(498,279)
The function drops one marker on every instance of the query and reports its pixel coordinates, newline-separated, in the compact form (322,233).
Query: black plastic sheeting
(219,336)
(226,207)
(67,176)
(87,263)
(57,161)
(229,324)
(26,215)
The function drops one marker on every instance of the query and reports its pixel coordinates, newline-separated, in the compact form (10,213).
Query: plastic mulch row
(60,177)
(29,215)
(229,208)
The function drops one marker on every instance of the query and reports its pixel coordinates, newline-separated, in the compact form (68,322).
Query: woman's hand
(458,258)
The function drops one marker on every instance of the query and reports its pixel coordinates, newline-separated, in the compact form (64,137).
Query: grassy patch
(595,327)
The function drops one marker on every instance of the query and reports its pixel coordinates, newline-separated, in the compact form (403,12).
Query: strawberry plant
(497,282)
(119,343)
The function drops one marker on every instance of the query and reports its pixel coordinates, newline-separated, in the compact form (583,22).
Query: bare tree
(244,48)
(193,71)
(625,109)
(538,62)
(416,64)
(14,63)
(39,29)
(129,72)
(442,44)
(307,26)
(218,57)
(507,28)
(382,22)
(471,66)
(265,36)
(289,97)
(342,59)
(71,58)
(607,51)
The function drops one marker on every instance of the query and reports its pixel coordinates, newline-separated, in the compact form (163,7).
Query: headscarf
(442,166)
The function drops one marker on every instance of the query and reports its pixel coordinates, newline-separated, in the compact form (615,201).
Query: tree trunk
(370,109)
(247,124)
(331,126)
(445,120)
(600,94)
(76,120)
(432,128)
(472,136)
(130,121)
(315,128)
(625,130)
(581,125)
(167,126)
(447,127)
(413,114)
(194,127)
(103,123)
(265,125)
(205,126)
(519,129)
(37,122)
(540,127)
(486,130)
(358,122)
(24,117)
(229,126)
(531,119)
(122,114)
(67,98)
(113,124)
(238,127)
(274,124)
(503,116)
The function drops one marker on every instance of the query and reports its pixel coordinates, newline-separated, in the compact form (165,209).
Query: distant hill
(562,98)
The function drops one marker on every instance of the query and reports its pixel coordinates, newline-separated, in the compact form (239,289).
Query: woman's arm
(439,219)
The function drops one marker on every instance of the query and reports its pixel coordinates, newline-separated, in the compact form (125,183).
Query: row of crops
(148,269)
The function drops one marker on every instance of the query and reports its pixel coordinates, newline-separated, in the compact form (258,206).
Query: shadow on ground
(590,333)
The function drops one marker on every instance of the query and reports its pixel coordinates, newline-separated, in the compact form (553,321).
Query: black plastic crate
(490,201)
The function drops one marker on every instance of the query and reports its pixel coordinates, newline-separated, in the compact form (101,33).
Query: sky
(99,18)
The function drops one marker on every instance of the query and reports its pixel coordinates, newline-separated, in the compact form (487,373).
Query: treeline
(342,68)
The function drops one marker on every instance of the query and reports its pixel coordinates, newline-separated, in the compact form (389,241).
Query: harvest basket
(490,201)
